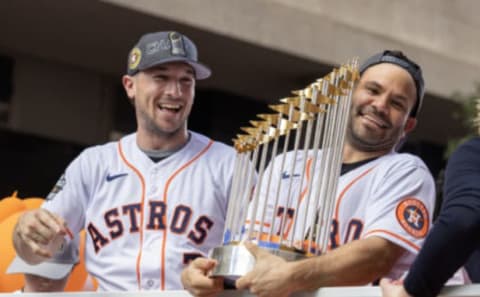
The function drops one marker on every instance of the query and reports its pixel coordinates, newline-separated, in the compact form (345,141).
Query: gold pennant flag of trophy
(286,174)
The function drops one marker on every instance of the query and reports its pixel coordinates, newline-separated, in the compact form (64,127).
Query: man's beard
(154,129)
(371,144)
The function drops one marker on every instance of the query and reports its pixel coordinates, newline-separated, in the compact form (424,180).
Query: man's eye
(187,81)
(398,104)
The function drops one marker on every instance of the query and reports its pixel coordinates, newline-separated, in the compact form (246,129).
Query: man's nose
(172,88)
(381,103)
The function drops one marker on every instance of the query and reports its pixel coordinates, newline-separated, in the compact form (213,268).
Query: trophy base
(234,261)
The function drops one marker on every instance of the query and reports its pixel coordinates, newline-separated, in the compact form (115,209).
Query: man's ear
(128,83)
(409,125)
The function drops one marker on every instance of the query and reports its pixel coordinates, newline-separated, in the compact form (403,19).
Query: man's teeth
(170,106)
(378,121)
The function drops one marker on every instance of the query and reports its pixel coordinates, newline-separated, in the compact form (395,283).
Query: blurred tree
(469,116)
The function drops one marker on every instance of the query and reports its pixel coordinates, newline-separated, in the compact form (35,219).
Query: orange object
(78,276)
(10,210)
(33,202)
(8,282)
(10,205)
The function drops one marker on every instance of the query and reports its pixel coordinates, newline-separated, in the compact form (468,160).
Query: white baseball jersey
(144,220)
(392,197)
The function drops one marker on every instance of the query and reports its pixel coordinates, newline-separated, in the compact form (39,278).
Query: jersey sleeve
(401,205)
(69,196)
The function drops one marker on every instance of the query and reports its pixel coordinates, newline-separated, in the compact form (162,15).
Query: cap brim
(45,269)
(201,71)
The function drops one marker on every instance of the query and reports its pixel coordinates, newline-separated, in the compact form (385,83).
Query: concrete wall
(68,52)
(441,34)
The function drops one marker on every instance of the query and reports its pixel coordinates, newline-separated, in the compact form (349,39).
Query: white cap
(58,267)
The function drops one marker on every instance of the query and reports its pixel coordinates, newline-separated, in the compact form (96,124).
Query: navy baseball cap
(399,59)
(163,47)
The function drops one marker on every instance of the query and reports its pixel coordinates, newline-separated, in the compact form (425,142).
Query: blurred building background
(61,62)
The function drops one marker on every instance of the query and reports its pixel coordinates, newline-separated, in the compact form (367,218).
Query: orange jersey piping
(196,157)
(142,181)
(416,247)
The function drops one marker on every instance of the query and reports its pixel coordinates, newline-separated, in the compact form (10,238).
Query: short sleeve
(401,205)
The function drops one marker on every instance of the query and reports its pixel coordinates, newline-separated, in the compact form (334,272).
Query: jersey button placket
(153,176)
(149,284)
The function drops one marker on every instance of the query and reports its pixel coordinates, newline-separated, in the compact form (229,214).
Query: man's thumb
(203,263)
(252,248)
(385,281)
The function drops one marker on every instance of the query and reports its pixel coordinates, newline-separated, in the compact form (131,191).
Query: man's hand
(195,278)
(392,288)
(38,235)
(269,277)
(36,283)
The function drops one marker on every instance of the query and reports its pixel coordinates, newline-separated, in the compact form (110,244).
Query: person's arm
(455,234)
(37,235)
(357,263)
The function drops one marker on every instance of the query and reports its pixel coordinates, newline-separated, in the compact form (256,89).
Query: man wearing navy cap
(152,201)
(384,199)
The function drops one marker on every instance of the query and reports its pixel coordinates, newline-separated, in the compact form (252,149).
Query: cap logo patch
(176,40)
(413,217)
(152,48)
(134,58)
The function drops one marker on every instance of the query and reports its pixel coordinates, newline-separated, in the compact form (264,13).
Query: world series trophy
(285,204)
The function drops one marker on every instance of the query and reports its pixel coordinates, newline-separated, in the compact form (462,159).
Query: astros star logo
(413,216)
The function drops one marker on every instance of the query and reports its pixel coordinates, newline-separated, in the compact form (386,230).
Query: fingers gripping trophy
(286,173)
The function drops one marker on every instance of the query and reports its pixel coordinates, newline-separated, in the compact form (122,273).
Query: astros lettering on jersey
(391,197)
(145,221)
